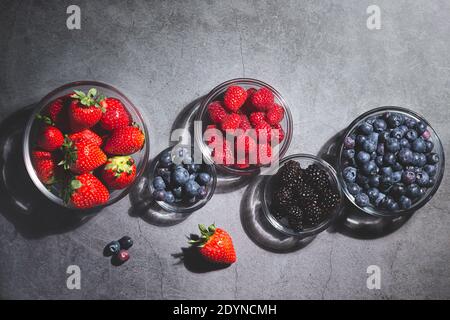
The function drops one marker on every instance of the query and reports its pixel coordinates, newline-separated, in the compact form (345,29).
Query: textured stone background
(164,55)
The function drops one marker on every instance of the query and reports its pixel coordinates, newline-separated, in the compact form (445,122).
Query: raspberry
(262,99)
(248,107)
(248,154)
(275,114)
(234,98)
(263,131)
(245,123)
(280,132)
(216,112)
(231,122)
(264,154)
(257,117)
(210,134)
(223,155)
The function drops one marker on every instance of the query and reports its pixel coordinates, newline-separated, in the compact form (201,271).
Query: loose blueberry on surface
(349,142)
(379,125)
(369,146)
(418,145)
(373,194)
(158,183)
(362,199)
(202,192)
(429,146)
(408,177)
(374,181)
(363,157)
(169,197)
(413,191)
(203,178)
(392,145)
(353,188)
(405,156)
(422,179)
(112,248)
(191,188)
(180,176)
(433,158)
(421,127)
(126,242)
(389,159)
(159,195)
(365,128)
(430,169)
(405,202)
(369,168)
(411,135)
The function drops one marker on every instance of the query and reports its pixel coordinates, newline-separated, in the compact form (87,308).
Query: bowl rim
(419,204)
(322,226)
(26,143)
(176,209)
(284,145)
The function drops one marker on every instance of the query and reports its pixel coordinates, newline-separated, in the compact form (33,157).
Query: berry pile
(389,162)
(303,198)
(253,117)
(118,249)
(179,179)
(83,147)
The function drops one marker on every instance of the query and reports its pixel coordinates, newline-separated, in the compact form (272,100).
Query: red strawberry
(87,135)
(85,191)
(245,123)
(50,138)
(216,112)
(231,122)
(45,166)
(125,141)
(257,117)
(262,99)
(234,98)
(275,114)
(215,245)
(85,110)
(115,115)
(119,172)
(56,111)
(278,129)
(264,154)
(263,131)
(82,156)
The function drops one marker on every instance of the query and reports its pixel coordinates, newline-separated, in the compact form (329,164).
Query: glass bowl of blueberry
(391,161)
(179,183)
(303,197)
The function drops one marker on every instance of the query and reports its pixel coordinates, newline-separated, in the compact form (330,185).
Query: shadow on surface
(195,263)
(21,203)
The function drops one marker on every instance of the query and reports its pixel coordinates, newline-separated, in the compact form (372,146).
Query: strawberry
(278,130)
(85,110)
(87,135)
(231,122)
(215,245)
(119,172)
(263,131)
(125,141)
(262,99)
(45,166)
(82,156)
(264,154)
(56,112)
(245,123)
(216,112)
(234,98)
(50,138)
(275,114)
(257,117)
(85,191)
(115,115)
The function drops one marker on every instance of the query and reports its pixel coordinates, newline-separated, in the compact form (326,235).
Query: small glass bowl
(305,160)
(372,210)
(33,125)
(183,206)
(217,94)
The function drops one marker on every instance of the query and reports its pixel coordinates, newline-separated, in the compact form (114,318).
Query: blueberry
(369,146)
(408,177)
(386,171)
(386,202)
(430,169)
(422,192)
(397,133)
(411,135)
(202,192)
(374,181)
(385,183)
(405,202)
(404,128)
(169,197)
(418,145)
(386,115)
(362,200)
(405,156)
(348,153)
(362,181)
(421,127)
(429,146)
(353,188)
(192,200)
(193,167)
(378,201)
(404,143)
(191,188)
(419,159)
(360,139)
(112,248)
(362,157)
(159,195)
(431,182)
(398,190)
(373,137)
(165,160)
(369,168)
(365,128)
(422,179)
(349,142)
(178,192)
(433,158)
(373,155)
(397,166)
(379,161)
(380,149)
(392,145)
(180,176)
(413,191)
(158,183)
(389,159)
(165,174)
(410,123)
(379,125)
(203,178)
(373,194)
(126,242)
(371,120)
(397,176)
(193,176)
(349,174)
(384,136)
(392,206)
(394,120)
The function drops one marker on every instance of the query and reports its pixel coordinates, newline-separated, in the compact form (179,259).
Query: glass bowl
(218,93)
(183,206)
(32,127)
(371,209)
(269,182)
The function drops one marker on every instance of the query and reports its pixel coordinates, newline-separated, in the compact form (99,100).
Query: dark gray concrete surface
(164,55)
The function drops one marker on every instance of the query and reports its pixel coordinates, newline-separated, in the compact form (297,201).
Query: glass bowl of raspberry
(302,197)
(243,125)
(391,162)
(85,145)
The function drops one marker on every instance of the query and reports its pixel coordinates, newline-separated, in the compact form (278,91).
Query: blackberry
(306,195)
(290,174)
(329,200)
(313,216)
(284,196)
(295,217)
(317,177)
(277,212)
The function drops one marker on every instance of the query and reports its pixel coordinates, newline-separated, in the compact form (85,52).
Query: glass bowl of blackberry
(303,197)
(180,182)
(391,161)
(252,106)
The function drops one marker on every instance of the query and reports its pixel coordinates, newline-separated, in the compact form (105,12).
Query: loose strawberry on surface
(119,172)
(85,110)
(215,245)
(85,191)
(125,141)
(81,156)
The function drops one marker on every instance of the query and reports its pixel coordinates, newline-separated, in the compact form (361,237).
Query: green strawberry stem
(205,235)
(88,99)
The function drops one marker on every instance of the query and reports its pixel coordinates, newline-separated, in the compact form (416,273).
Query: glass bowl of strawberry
(242,125)
(85,145)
